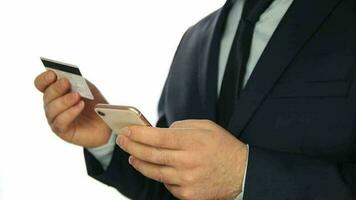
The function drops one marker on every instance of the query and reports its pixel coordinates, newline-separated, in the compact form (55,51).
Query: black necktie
(239,54)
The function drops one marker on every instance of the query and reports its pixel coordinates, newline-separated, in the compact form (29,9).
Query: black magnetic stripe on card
(61,67)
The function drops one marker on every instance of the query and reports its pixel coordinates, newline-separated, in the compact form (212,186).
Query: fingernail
(130,160)
(119,140)
(49,76)
(62,82)
(80,104)
(76,95)
(125,131)
(73,96)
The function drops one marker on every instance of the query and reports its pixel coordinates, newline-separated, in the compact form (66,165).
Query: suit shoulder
(205,23)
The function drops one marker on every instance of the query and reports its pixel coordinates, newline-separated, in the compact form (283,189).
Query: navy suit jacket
(297,111)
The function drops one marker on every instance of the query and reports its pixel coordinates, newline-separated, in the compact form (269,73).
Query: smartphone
(118,117)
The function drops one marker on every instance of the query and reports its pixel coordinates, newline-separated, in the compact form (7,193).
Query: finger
(148,153)
(61,104)
(159,173)
(57,89)
(157,137)
(43,80)
(63,121)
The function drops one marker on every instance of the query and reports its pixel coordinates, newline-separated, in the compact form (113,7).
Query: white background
(124,47)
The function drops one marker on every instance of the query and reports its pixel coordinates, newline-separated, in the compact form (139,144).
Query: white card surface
(70,72)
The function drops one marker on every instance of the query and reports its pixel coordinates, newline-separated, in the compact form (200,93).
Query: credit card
(70,72)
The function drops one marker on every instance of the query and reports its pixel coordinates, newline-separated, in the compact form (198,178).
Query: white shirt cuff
(241,195)
(104,153)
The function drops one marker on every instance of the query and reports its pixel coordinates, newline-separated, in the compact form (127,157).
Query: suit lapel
(207,76)
(298,25)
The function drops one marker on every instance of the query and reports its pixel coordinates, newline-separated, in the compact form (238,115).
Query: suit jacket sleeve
(280,175)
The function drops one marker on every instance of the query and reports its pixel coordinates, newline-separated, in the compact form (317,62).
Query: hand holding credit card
(69,115)
(70,72)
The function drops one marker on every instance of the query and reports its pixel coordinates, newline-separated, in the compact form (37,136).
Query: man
(276,75)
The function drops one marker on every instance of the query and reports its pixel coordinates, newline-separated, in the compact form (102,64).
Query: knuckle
(54,127)
(154,154)
(158,156)
(57,127)
(163,157)
(49,112)
(187,162)
(177,124)
(53,108)
(192,121)
(148,154)
(46,94)
(188,178)
(207,121)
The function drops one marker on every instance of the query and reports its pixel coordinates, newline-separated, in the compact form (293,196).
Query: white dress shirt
(264,29)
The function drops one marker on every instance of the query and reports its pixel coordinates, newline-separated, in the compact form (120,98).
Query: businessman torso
(297,110)
(301,90)
(300,98)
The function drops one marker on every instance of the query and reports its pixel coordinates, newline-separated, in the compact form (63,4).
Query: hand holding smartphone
(118,117)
